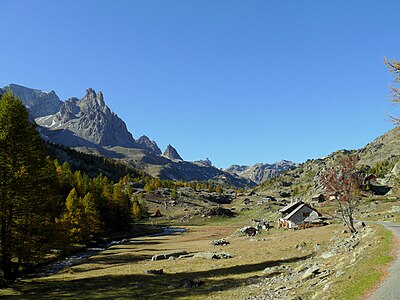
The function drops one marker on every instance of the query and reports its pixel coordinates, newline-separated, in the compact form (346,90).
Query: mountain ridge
(88,125)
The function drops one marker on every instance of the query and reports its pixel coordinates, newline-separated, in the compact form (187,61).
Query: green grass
(368,272)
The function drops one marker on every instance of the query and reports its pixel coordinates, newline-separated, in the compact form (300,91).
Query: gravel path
(390,288)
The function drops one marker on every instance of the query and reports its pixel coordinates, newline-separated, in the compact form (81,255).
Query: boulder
(220,242)
(190,283)
(310,273)
(359,225)
(175,254)
(249,230)
(213,255)
(154,272)
(220,211)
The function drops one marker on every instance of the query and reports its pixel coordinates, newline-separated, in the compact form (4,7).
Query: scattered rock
(271,271)
(154,272)
(185,256)
(190,283)
(310,273)
(220,211)
(359,225)
(300,268)
(281,287)
(168,255)
(328,254)
(249,230)
(220,242)
(326,287)
(213,255)
(300,246)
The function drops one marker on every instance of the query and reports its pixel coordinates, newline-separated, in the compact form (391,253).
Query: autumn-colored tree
(73,216)
(91,220)
(394,68)
(136,209)
(343,183)
(28,200)
(219,190)
(81,218)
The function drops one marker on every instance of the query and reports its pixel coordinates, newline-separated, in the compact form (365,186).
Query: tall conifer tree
(28,202)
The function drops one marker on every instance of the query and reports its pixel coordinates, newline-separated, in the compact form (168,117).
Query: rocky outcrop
(148,145)
(171,153)
(204,162)
(89,119)
(39,103)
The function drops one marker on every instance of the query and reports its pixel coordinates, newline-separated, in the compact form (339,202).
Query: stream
(82,256)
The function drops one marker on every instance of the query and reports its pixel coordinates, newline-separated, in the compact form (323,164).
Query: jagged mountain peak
(89,119)
(171,153)
(149,145)
(92,98)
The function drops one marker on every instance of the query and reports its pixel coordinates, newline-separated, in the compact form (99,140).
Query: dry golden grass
(119,271)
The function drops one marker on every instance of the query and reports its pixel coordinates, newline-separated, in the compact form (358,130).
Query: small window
(306,214)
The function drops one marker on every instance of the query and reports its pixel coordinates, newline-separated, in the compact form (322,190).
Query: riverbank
(70,255)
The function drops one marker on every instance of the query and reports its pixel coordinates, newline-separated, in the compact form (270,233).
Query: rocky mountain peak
(93,99)
(38,102)
(89,119)
(148,145)
(171,153)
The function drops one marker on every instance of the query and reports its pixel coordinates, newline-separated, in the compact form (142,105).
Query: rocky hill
(380,157)
(261,172)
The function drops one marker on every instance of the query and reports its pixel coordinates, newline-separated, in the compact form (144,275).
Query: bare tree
(344,182)
(394,68)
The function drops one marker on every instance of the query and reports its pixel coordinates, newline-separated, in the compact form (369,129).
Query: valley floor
(316,263)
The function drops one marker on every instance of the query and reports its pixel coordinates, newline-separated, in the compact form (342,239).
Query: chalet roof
(290,206)
(294,211)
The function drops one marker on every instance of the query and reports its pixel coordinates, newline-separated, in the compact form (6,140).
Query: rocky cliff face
(171,153)
(39,103)
(148,145)
(90,119)
(261,172)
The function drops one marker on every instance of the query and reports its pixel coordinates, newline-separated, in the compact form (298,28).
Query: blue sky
(236,81)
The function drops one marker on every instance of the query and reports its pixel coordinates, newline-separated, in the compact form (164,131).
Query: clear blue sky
(236,81)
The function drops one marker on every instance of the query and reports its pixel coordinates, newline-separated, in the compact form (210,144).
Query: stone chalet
(296,213)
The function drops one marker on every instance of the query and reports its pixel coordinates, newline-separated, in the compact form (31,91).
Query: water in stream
(82,256)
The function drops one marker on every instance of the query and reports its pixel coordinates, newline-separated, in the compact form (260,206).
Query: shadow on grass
(138,286)
(116,259)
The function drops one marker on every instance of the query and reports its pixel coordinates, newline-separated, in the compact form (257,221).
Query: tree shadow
(141,286)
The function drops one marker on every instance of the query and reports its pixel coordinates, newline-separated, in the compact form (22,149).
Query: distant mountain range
(261,172)
(89,125)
